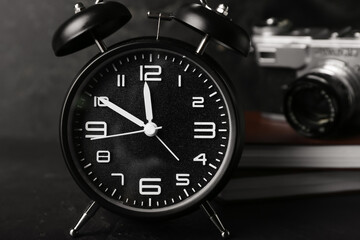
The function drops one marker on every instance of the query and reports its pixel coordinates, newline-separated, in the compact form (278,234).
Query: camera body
(311,75)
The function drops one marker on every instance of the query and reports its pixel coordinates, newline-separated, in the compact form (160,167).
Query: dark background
(34,81)
(39,200)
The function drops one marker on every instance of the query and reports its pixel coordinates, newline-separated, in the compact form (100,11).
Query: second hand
(122,134)
(172,153)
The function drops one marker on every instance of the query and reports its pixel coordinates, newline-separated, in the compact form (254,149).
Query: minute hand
(122,112)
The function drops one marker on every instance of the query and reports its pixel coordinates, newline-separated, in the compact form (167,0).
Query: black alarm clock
(150,128)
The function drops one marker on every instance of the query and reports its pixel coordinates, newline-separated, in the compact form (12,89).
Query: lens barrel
(321,101)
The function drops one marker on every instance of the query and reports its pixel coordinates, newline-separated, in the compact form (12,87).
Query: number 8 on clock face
(149,128)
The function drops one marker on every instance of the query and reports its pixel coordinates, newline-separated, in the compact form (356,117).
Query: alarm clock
(150,128)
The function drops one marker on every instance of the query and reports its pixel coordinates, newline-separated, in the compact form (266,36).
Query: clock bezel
(233,104)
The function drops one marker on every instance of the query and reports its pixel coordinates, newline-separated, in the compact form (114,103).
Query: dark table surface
(39,200)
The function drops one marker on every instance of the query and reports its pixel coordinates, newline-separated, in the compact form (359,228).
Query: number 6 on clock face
(148,188)
(149,128)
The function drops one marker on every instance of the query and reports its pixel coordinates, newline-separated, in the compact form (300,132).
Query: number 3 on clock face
(150,129)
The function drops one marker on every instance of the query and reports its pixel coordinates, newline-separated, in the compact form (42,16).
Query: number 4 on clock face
(201,158)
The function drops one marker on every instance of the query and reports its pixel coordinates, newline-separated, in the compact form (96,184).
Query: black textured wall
(40,200)
(34,82)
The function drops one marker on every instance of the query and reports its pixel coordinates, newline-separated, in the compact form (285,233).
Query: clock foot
(88,213)
(215,219)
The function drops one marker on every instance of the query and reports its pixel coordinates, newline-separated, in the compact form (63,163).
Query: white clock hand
(123,134)
(122,112)
(148,104)
(162,142)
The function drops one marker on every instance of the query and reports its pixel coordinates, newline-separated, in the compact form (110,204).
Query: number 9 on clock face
(149,128)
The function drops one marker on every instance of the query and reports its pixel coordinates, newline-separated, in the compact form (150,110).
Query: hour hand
(148,104)
(122,112)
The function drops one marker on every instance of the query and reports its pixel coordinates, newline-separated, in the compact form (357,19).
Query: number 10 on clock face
(149,129)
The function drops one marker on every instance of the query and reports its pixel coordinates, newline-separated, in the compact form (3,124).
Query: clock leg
(215,219)
(88,213)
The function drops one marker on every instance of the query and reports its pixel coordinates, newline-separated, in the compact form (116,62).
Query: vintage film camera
(303,127)
(312,76)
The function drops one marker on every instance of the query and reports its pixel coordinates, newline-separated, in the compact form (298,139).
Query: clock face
(149,129)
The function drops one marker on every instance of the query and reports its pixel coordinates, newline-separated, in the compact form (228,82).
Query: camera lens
(311,109)
(320,102)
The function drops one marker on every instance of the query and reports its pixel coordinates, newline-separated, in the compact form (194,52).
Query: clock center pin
(150,129)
